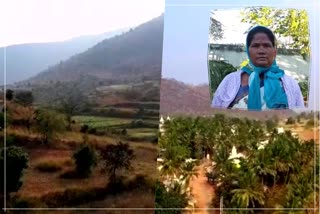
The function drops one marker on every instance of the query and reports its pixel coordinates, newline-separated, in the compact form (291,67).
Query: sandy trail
(202,191)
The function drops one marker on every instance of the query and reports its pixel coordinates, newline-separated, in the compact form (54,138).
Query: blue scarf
(274,96)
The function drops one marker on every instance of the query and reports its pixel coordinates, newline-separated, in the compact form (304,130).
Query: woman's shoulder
(290,80)
(233,75)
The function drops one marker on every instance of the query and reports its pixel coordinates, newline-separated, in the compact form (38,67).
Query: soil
(202,191)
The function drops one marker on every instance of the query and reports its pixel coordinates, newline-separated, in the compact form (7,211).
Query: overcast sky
(27,21)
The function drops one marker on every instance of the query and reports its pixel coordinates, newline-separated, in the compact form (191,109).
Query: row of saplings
(115,157)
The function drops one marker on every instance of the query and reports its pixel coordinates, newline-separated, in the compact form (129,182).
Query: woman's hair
(261,29)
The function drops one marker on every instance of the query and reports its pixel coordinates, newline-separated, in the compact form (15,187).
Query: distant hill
(134,56)
(178,98)
(26,60)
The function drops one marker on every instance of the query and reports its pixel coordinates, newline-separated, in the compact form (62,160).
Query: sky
(186,35)
(57,20)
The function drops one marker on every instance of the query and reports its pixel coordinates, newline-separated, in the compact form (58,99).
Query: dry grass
(53,165)
(36,183)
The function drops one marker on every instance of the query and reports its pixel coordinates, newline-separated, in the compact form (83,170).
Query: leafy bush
(10,139)
(85,158)
(92,130)
(1,120)
(218,70)
(48,123)
(169,199)
(116,157)
(84,128)
(290,120)
(16,162)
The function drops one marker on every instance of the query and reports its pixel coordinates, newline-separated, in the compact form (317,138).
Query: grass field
(41,180)
(101,122)
(141,133)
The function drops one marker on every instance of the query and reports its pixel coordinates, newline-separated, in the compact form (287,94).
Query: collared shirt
(230,85)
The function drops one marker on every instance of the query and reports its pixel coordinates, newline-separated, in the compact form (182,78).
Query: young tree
(48,123)
(116,157)
(70,100)
(85,158)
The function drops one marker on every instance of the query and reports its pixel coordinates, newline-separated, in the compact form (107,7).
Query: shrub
(16,162)
(124,132)
(84,128)
(310,123)
(85,158)
(48,123)
(10,139)
(48,166)
(69,174)
(1,120)
(169,199)
(290,120)
(92,130)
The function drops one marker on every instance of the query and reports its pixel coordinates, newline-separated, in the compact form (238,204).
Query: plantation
(250,164)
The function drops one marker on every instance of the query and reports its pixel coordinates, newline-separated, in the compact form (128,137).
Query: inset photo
(259,58)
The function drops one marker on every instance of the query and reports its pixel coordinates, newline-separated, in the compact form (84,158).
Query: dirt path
(202,191)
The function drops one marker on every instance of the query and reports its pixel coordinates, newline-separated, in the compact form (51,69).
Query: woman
(261,84)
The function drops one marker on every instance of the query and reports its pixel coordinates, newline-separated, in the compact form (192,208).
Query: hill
(134,56)
(26,60)
(178,98)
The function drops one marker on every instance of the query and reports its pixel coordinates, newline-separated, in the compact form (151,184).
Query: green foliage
(116,157)
(217,71)
(2,122)
(290,120)
(271,124)
(304,87)
(85,158)
(284,22)
(9,94)
(48,123)
(282,163)
(169,199)
(24,98)
(16,161)
(84,128)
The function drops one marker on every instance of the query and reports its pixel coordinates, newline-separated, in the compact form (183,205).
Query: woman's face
(261,51)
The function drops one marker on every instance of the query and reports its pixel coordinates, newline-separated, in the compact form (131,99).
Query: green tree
(9,94)
(216,31)
(188,170)
(116,157)
(16,162)
(24,98)
(284,22)
(48,124)
(85,159)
